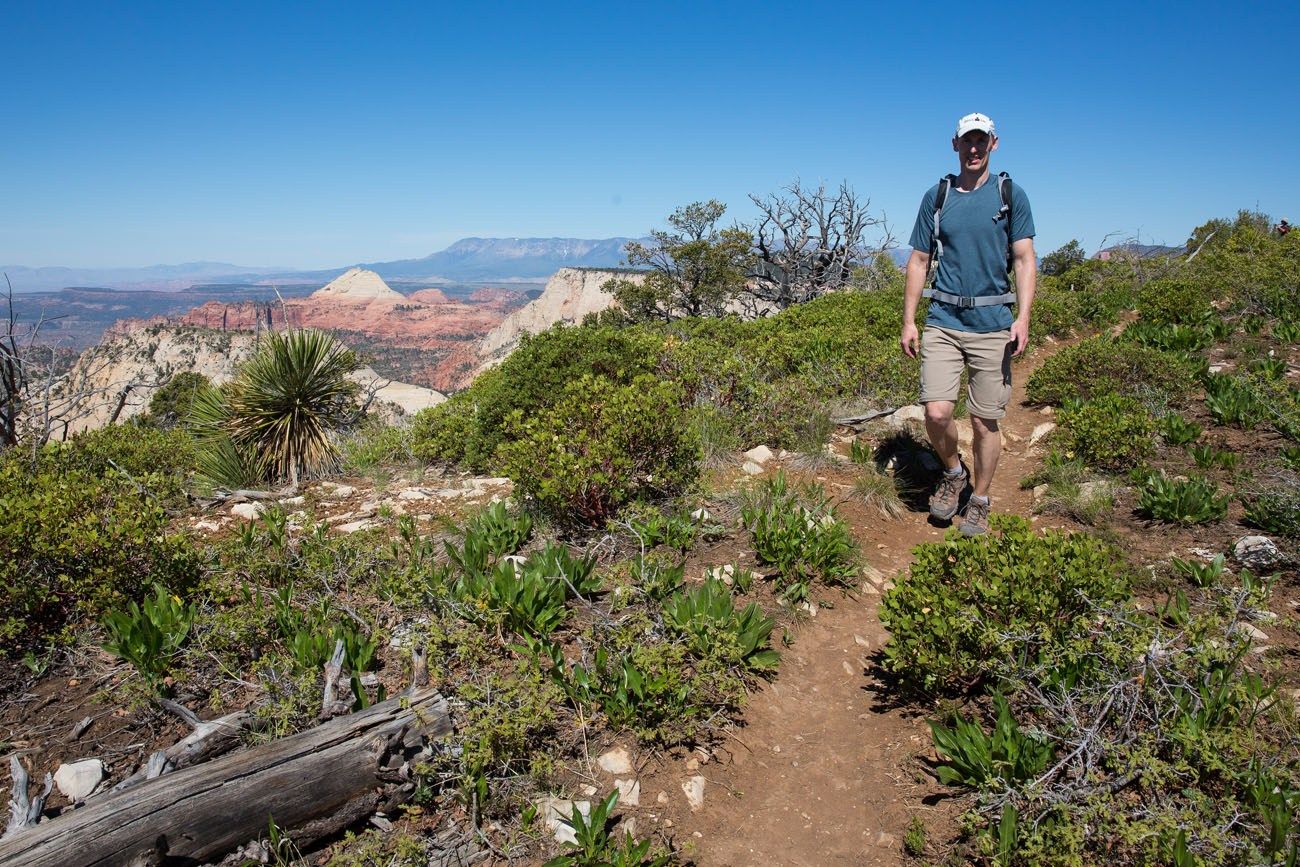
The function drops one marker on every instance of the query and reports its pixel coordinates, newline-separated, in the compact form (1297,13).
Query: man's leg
(942,429)
(988,448)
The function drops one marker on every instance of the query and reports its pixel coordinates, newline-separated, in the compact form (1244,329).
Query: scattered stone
(701,516)
(1047,410)
(694,789)
(407,634)
(1255,633)
(356,526)
(413,494)
(811,608)
(759,454)
(616,761)
(1256,552)
(752,469)
(912,412)
(692,764)
(1216,368)
(725,573)
(1041,431)
(556,812)
(872,574)
(861,641)
(886,840)
(869,589)
(629,792)
(77,780)
(339,518)
(209,526)
(965,434)
(247,511)
(293,501)
(335,491)
(493,482)
(589,790)
(661,798)
(1040,491)
(1015,438)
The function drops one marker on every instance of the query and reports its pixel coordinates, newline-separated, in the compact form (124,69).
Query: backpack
(936,246)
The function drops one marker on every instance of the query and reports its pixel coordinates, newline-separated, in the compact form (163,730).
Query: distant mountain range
(477,260)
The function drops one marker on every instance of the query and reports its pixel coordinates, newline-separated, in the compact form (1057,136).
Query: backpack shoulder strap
(1004,191)
(940,196)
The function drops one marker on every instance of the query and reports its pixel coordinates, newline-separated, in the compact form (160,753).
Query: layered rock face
(569,295)
(116,379)
(357,284)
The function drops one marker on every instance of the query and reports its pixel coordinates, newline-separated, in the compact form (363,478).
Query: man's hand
(1019,336)
(911,339)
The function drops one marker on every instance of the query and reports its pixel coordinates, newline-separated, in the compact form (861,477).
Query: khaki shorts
(944,352)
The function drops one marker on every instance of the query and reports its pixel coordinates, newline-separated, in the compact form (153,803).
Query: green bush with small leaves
(600,446)
(1175,300)
(1105,365)
(1110,432)
(967,603)
(1276,509)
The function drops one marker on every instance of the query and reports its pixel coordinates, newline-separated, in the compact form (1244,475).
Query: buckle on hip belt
(967,302)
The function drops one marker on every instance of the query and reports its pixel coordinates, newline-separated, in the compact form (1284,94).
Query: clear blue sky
(323,134)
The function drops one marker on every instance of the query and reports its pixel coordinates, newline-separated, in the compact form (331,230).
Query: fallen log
(311,784)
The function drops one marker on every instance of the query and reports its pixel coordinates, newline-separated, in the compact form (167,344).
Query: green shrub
(1178,431)
(75,543)
(1182,501)
(708,616)
(159,461)
(976,759)
(1275,510)
(1103,365)
(1110,432)
(170,405)
(799,534)
(376,445)
(650,689)
(968,603)
(149,636)
(602,445)
(1175,300)
(1207,456)
(1233,401)
(593,845)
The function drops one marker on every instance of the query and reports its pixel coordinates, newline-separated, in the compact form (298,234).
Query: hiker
(984,229)
(1282,228)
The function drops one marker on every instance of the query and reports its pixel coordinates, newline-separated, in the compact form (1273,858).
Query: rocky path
(824,771)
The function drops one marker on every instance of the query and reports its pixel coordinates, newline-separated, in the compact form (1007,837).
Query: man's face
(973,150)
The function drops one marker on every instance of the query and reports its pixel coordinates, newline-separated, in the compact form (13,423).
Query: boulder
(759,454)
(1256,552)
(1041,431)
(910,413)
(248,511)
(77,780)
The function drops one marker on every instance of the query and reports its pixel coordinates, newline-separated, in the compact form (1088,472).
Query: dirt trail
(822,772)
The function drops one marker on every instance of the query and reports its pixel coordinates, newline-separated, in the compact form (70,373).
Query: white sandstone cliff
(358,284)
(570,294)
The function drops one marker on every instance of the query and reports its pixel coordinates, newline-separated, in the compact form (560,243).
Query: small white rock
(556,813)
(355,526)
(629,792)
(701,516)
(335,491)
(1041,431)
(77,780)
(693,787)
(247,511)
(1255,633)
(293,501)
(752,469)
(1256,552)
(759,454)
(413,494)
(616,761)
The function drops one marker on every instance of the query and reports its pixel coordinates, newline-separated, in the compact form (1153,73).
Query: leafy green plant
(799,534)
(647,689)
(501,532)
(1182,300)
(1111,432)
(1182,501)
(149,635)
(967,603)
(861,452)
(1291,456)
(593,845)
(1178,431)
(1269,367)
(1106,365)
(975,758)
(1287,330)
(1232,401)
(653,527)
(708,616)
(1207,456)
(1275,509)
(914,839)
(601,446)
(1201,574)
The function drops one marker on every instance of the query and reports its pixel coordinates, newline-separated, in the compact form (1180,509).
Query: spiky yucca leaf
(221,463)
(289,398)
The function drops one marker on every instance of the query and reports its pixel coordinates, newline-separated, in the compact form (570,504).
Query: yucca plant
(289,399)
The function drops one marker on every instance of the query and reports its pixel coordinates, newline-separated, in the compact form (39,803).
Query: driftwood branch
(209,739)
(311,784)
(24,810)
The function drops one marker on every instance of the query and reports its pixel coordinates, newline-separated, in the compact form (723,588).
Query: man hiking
(973,228)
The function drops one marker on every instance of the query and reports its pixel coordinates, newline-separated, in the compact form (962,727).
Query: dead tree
(13,378)
(808,242)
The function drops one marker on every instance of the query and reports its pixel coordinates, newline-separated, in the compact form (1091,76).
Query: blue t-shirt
(974,260)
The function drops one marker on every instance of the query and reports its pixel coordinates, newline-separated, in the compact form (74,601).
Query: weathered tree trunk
(311,784)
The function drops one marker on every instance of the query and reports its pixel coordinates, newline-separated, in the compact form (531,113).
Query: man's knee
(983,426)
(938,411)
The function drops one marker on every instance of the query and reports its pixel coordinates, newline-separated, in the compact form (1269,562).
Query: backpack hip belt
(968,301)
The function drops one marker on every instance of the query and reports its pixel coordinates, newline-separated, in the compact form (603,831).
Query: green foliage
(501,532)
(1203,575)
(914,839)
(970,602)
(1275,509)
(1104,365)
(648,689)
(1169,300)
(601,446)
(283,409)
(1110,432)
(652,527)
(1062,259)
(695,269)
(595,847)
(1207,456)
(977,759)
(1182,501)
(1232,401)
(1178,431)
(158,461)
(799,534)
(707,615)
(170,405)
(148,636)
(375,446)
(77,543)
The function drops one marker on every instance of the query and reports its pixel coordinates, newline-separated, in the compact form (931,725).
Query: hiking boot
(947,497)
(975,521)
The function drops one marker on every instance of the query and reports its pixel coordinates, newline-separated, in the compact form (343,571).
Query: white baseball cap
(981,122)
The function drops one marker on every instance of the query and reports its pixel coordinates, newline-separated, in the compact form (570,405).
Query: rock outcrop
(358,284)
(569,295)
(116,379)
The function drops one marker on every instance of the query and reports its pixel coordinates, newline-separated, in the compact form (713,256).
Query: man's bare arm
(1026,267)
(918,265)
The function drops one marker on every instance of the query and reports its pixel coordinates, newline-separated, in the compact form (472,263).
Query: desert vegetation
(585,553)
